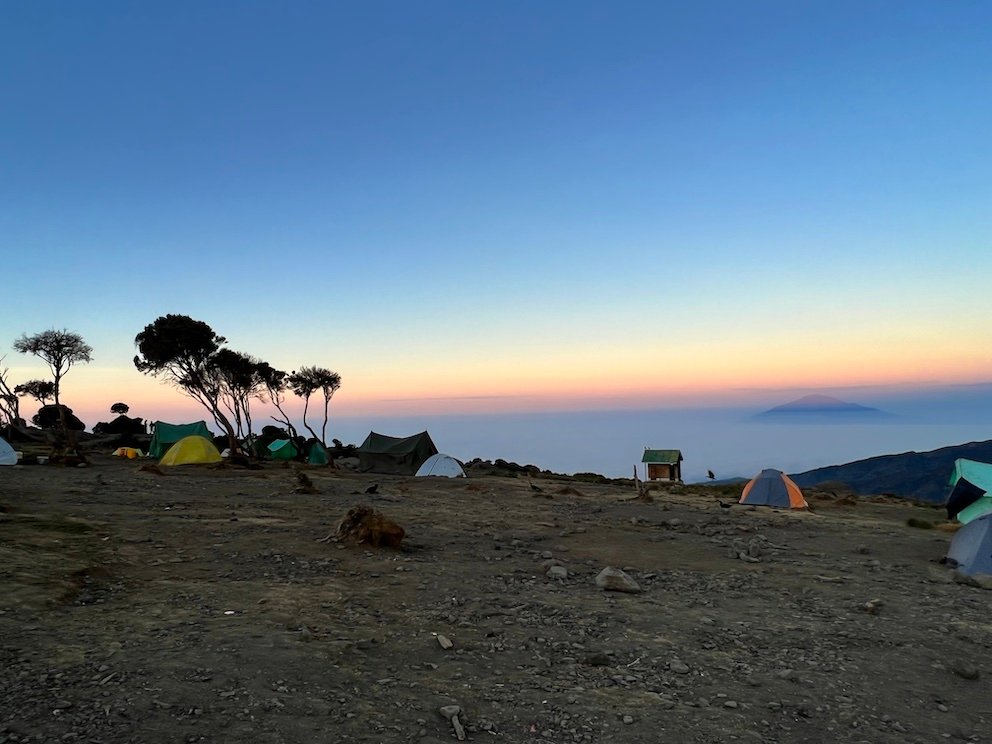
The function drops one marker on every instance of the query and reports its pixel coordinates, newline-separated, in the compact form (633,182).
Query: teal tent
(382,454)
(283,449)
(971,490)
(318,454)
(165,435)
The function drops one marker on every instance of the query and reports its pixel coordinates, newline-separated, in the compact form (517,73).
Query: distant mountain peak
(820,404)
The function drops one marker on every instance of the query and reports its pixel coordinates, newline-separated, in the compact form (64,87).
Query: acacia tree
(181,351)
(59,350)
(308,381)
(241,380)
(10,403)
(275,384)
(120,409)
(40,390)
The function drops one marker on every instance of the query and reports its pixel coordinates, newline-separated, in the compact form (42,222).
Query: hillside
(219,604)
(921,476)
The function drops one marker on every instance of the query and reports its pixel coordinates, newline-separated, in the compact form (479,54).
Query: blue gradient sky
(467,206)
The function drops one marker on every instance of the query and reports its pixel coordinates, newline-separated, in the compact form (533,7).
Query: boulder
(365,525)
(614,580)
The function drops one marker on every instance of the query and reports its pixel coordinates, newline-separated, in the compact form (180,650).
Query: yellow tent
(191,450)
(129,452)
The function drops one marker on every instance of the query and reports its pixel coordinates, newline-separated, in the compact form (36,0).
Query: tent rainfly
(445,466)
(165,435)
(971,547)
(191,450)
(971,490)
(283,449)
(318,455)
(403,455)
(772,487)
(7,454)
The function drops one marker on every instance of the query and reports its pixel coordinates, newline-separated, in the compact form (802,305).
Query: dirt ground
(205,605)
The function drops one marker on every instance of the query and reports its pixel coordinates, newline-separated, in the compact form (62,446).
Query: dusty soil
(202,605)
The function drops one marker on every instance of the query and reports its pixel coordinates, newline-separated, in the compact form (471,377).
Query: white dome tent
(444,466)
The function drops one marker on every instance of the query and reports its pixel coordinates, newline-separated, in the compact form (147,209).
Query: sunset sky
(470,207)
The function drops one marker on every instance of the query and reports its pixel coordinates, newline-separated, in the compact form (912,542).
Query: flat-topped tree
(40,390)
(181,351)
(59,349)
(308,381)
(120,409)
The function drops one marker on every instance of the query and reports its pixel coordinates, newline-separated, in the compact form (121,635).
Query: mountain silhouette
(819,404)
(920,476)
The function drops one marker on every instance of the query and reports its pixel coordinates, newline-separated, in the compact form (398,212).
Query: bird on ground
(374,488)
(535,488)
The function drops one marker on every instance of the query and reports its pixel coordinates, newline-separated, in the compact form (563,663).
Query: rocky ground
(208,605)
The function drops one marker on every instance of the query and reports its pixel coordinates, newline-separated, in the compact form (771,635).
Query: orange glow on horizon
(581,379)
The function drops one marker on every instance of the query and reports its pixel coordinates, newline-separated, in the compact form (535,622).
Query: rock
(940,575)
(678,666)
(598,659)
(557,572)
(449,711)
(614,580)
(444,642)
(872,606)
(628,719)
(966,670)
(365,525)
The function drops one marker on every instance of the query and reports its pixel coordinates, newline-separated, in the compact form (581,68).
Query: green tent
(382,454)
(971,492)
(318,454)
(165,435)
(283,449)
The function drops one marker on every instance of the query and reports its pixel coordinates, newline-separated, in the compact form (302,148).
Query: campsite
(213,603)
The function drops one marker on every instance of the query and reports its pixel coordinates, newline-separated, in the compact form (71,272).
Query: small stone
(557,572)
(444,642)
(678,666)
(628,720)
(449,711)
(872,606)
(729,703)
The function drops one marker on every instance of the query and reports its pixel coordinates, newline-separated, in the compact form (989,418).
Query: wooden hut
(662,464)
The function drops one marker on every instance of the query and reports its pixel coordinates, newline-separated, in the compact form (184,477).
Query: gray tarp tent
(971,547)
(403,455)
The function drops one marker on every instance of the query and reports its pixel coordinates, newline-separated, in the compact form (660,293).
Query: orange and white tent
(772,487)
